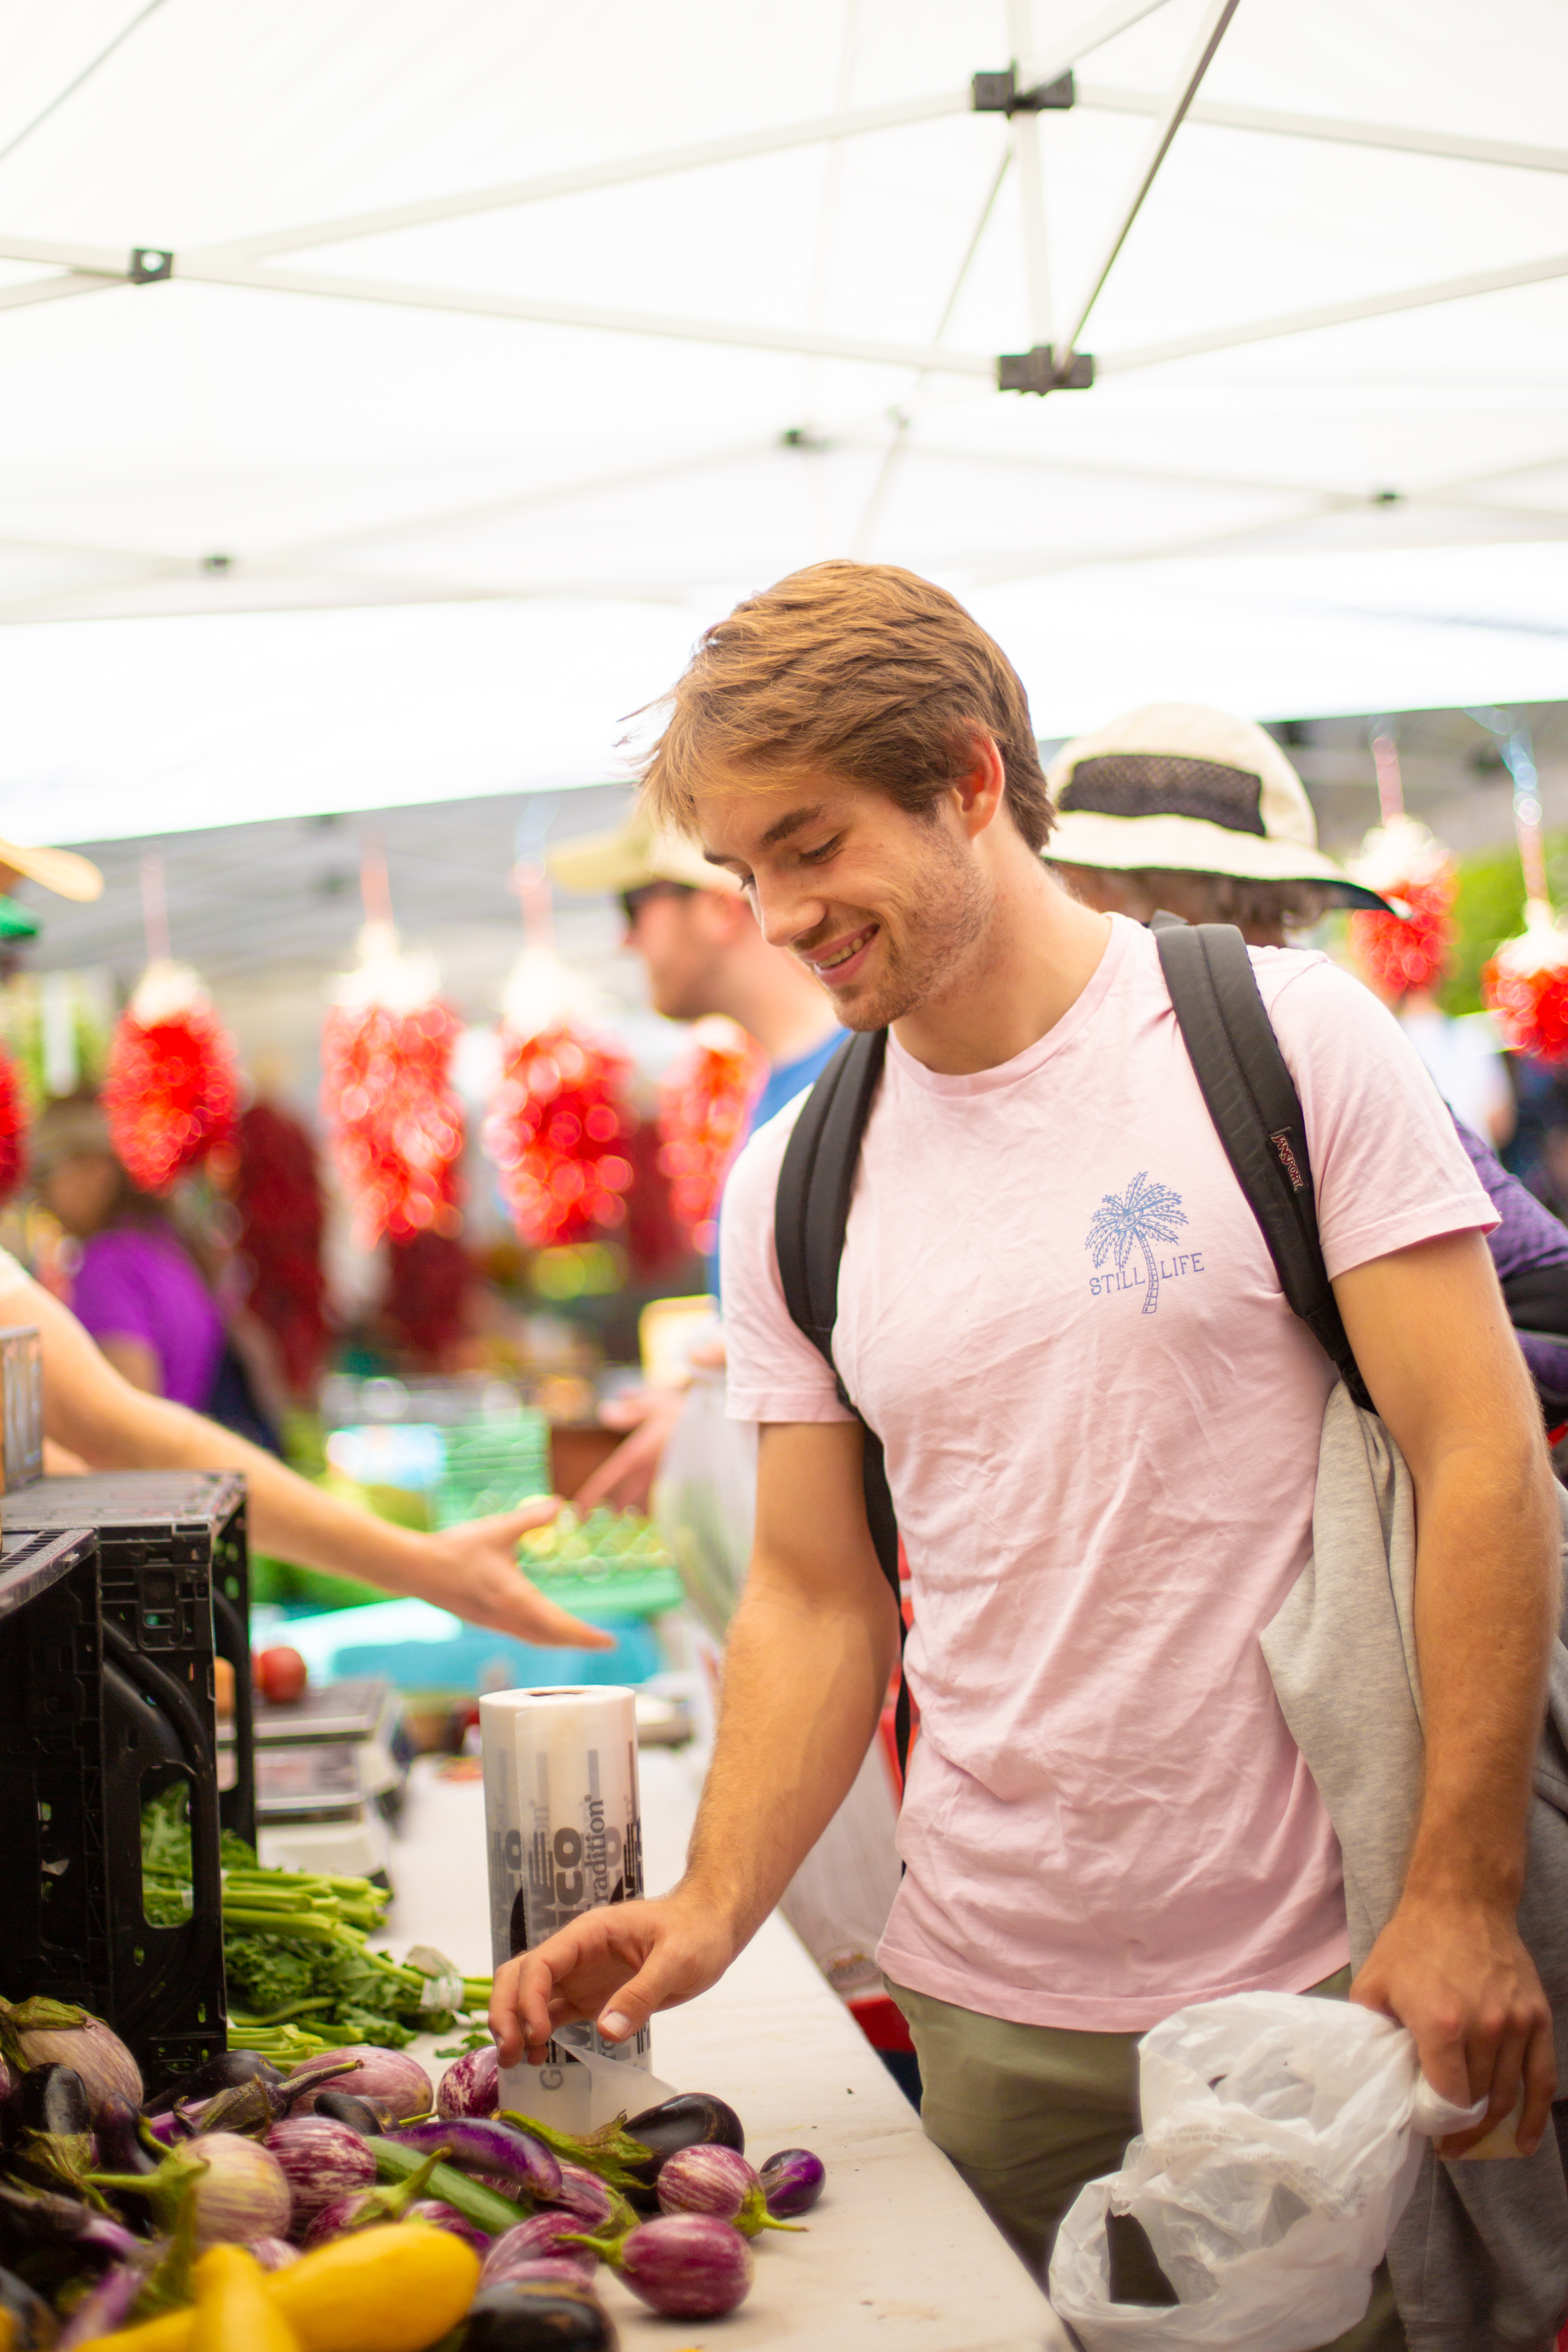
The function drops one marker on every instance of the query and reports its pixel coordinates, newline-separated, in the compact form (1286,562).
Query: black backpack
(1251,1098)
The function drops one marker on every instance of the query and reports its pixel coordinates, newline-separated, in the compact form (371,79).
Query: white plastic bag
(1281,2138)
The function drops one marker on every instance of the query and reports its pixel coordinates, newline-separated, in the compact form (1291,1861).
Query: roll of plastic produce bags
(1281,2138)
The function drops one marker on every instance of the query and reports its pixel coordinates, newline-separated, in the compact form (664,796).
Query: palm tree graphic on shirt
(1127,1221)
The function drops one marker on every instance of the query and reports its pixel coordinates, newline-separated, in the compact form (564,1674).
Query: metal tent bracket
(150,264)
(1041,371)
(998,93)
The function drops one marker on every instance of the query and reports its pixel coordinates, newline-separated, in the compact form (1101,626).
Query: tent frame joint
(149,265)
(998,93)
(1041,369)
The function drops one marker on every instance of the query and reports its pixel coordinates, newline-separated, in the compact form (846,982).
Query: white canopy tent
(578,320)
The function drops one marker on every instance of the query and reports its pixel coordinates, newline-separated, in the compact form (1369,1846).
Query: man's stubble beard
(924,937)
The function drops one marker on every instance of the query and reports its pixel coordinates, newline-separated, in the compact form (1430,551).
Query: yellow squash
(398,2288)
(234,2311)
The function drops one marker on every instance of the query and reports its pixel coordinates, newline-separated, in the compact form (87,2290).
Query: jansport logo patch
(1139,1220)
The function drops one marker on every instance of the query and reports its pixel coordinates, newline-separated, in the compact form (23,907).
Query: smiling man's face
(883,907)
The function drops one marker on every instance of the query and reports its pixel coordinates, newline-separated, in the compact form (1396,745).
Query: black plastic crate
(172,1546)
(91,1726)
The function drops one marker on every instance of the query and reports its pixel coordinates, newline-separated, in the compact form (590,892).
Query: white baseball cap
(1177,786)
(630,858)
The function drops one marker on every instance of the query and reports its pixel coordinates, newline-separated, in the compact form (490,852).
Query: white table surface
(899,2254)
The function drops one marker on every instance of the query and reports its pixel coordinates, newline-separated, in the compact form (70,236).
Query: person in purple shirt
(137,1287)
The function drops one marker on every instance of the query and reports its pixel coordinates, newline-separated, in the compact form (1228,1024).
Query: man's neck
(1037,955)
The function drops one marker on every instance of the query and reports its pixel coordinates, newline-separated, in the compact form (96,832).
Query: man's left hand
(472,1570)
(1456,1972)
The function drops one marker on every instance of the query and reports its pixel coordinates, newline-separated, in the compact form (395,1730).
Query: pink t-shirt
(1101,1423)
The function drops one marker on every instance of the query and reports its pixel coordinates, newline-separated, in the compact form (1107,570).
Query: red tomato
(281,1676)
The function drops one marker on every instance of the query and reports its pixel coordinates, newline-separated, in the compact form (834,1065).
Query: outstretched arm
(1435,1346)
(97,1415)
(809,1654)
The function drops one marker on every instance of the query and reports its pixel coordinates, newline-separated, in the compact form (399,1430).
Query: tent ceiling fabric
(612,310)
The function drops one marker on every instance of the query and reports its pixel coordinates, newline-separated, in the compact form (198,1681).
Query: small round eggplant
(686,2265)
(273,2253)
(442,2216)
(538,2315)
(511,2261)
(471,2086)
(484,2143)
(104,2308)
(77,2040)
(243,2194)
(717,2180)
(389,2074)
(322,2161)
(368,2118)
(586,2196)
(791,2181)
(691,2120)
(224,2073)
(543,2234)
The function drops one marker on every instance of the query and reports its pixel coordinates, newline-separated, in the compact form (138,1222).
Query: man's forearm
(803,1686)
(1486,1605)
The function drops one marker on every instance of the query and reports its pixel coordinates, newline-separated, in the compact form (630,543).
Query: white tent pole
(54,289)
(1217,114)
(820,343)
(1211,32)
(1336,314)
(617,172)
(1026,130)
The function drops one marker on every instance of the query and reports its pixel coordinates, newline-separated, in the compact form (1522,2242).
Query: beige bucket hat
(1177,786)
(60,870)
(630,858)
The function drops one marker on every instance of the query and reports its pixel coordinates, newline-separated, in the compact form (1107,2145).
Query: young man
(1102,1460)
(703,954)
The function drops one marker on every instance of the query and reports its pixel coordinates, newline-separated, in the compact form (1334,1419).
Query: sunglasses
(633,901)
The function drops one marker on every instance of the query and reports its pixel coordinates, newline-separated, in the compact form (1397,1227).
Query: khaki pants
(1029,2114)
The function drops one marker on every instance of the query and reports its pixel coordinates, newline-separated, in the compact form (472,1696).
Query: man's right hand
(612,1968)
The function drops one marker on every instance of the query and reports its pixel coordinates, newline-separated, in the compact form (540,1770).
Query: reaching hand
(615,1966)
(473,1572)
(1455,1971)
(625,1480)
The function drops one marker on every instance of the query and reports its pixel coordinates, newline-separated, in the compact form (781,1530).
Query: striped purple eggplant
(482,2144)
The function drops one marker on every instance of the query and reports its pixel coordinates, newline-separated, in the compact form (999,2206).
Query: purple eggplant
(55,2141)
(33,2220)
(238,2189)
(686,2265)
(791,2181)
(718,2180)
(573,2265)
(42,2032)
(482,2144)
(543,2233)
(368,2118)
(586,2196)
(104,2307)
(538,2315)
(471,2086)
(322,2161)
(514,2254)
(121,2147)
(694,2119)
(273,2253)
(170,2127)
(369,2073)
(442,2216)
(362,2207)
(224,2073)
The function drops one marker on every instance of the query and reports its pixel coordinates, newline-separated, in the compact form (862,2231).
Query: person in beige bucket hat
(1177,806)
(62,871)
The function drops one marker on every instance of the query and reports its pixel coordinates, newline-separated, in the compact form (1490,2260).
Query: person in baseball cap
(1177,806)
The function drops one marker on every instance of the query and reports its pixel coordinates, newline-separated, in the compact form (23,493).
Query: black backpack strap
(1252,1101)
(811,1216)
